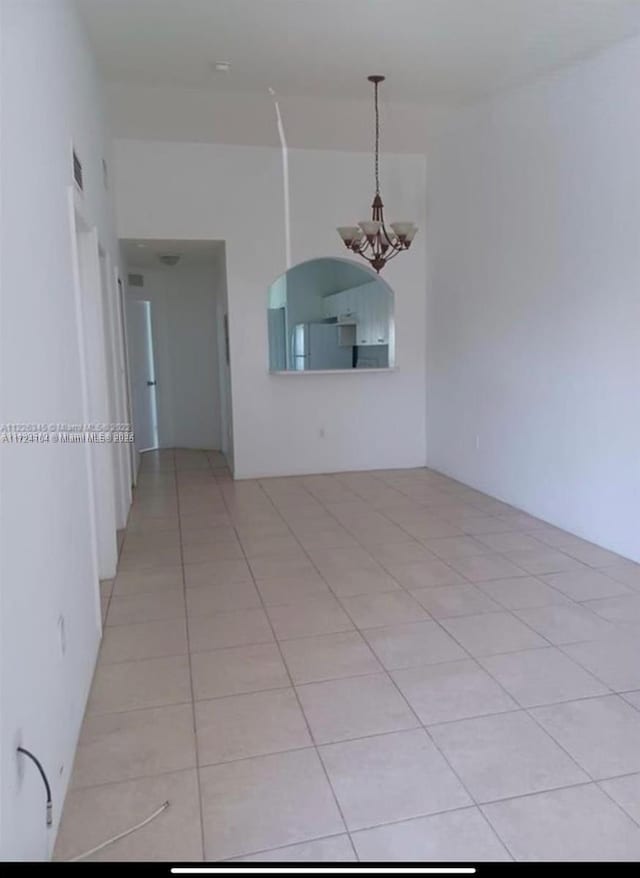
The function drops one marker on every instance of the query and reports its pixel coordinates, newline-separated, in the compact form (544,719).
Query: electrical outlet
(477,442)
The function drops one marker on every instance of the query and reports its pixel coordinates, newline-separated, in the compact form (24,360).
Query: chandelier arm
(394,253)
(369,251)
(383,245)
(361,249)
(390,242)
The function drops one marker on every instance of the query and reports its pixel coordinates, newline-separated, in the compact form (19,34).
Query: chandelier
(371,239)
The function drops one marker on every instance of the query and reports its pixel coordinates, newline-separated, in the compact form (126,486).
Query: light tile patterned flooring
(374,666)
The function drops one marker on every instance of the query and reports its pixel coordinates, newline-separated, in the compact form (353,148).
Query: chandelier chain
(377,149)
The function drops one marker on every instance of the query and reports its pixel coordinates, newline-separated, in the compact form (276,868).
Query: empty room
(320,433)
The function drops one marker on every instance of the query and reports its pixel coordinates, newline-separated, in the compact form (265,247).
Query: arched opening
(330,314)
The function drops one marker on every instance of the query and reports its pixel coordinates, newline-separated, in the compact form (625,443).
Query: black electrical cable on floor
(45,780)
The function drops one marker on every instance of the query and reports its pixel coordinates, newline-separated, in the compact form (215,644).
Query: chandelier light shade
(371,239)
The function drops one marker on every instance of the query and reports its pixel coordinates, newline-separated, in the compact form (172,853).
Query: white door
(143,375)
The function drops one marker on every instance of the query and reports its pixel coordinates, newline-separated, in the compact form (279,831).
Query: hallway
(375,665)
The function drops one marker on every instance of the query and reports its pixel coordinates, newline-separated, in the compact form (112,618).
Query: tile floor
(375,666)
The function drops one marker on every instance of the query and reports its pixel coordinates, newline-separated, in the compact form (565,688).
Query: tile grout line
(437,621)
(430,617)
(599,784)
(472,798)
(321,502)
(511,611)
(401,586)
(474,803)
(282,847)
(614,691)
(370,736)
(528,712)
(193,701)
(293,687)
(410,708)
(478,537)
(525,709)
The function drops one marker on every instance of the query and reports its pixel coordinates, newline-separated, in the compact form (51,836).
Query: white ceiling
(432,51)
(143,253)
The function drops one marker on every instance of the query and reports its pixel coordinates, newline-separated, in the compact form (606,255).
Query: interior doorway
(97,380)
(177,314)
(143,375)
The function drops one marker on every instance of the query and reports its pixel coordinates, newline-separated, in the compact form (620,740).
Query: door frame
(126,365)
(87,283)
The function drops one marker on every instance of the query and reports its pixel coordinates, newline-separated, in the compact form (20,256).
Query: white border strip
(336,870)
(285,181)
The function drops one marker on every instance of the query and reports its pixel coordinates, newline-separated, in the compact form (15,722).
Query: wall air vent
(136,280)
(77,171)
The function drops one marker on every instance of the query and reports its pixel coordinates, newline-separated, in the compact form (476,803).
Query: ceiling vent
(136,280)
(169,258)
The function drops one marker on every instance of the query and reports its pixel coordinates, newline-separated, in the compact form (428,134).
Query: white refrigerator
(315,346)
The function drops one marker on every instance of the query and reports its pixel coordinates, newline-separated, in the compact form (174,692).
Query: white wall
(183,317)
(178,190)
(534,317)
(215,115)
(49,98)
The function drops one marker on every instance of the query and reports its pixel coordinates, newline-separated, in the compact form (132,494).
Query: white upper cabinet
(368,305)
(347,304)
(329,306)
(372,315)
(382,317)
(364,327)
(341,305)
